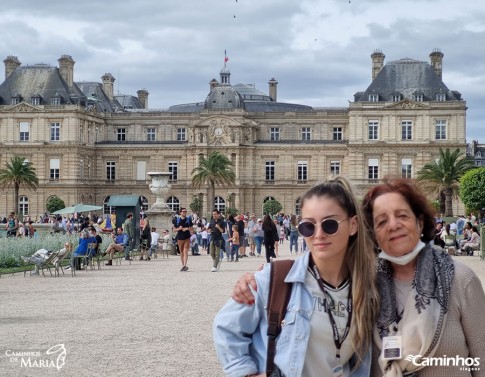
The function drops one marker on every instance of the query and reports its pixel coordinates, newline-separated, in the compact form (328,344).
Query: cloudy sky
(318,50)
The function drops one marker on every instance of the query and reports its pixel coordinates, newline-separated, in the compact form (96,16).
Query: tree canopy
(443,176)
(215,170)
(18,172)
(472,187)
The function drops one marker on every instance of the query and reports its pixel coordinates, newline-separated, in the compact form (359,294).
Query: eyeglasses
(183,211)
(329,227)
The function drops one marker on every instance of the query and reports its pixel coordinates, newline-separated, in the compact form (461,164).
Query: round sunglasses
(329,227)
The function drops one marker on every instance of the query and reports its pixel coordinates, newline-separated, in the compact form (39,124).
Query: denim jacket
(240,330)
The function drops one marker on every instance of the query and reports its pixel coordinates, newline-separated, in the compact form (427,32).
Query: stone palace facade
(86,143)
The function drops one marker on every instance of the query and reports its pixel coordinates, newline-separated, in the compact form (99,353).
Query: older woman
(430,304)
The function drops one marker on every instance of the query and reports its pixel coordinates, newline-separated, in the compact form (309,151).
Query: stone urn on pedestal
(160,214)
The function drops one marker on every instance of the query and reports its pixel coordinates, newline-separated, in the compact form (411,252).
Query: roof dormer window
(441,97)
(15,100)
(373,97)
(418,97)
(55,101)
(395,97)
(35,100)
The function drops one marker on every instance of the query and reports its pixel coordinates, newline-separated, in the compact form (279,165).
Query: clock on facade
(218,131)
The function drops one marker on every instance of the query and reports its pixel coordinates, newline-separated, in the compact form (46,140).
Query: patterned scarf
(421,323)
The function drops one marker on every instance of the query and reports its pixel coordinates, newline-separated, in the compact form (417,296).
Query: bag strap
(278,298)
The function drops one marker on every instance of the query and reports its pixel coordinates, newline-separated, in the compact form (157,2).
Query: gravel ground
(147,319)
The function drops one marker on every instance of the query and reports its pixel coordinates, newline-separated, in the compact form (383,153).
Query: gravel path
(147,319)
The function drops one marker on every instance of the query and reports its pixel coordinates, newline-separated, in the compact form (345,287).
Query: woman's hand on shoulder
(241,292)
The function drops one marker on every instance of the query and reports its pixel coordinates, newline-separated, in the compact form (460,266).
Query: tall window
(274,133)
(373,130)
(407,129)
(220,204)
(181,134)
(24,205)
(373,166)
(151,135)
(406,168)
(337,133)
(302,171)
(110,170)
(173,168)
(298,207)
(24,131)
(173,203)
(121,134)
(141,170)
(54,169)
(270,169)
(55,131)
(306,133)
(440,129)
(335,167)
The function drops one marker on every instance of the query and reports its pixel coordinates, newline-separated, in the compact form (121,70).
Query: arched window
(173,203)
(144,203)
(106,208)
(220,204)
(24,205)
(297,207)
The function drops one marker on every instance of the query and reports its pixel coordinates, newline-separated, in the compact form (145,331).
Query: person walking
(216,227)
(293,234)
(129,228)
(270,237)
(182,225)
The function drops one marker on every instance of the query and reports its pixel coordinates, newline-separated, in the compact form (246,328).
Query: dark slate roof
(97,97)
(39,80)
(223,97)
(249,93)
(128,102)
(407,77)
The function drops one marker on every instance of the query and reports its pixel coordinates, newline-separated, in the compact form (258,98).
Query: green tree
(18,172)
(54,203)
(472,187)
(272,207)
(196,205)
(215,170)
(443,176)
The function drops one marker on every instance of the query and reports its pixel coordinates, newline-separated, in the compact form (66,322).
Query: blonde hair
(360,260)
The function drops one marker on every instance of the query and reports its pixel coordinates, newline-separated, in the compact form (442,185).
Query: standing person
(242,240)
(277,238)
(146,240)
(129,229)
(251,224)
(235,241)
(282,234)
(12,225)
(165,241)
(293,234)
(194,246)
(182,225)
(154,244)
(258,236)
(429,301)
(216,227)
(204,235)
(270,237)
(333,292)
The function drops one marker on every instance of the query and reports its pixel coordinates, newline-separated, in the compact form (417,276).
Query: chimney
(212,84)
(436,58)
(273,88)
(108,81)
(377,62)
(143,97)
(11,64)
(66,68)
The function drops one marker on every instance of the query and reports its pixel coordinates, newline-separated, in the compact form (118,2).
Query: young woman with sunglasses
(333,292)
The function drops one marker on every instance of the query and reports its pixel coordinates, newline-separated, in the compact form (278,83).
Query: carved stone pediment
(23,107)
(407,104)
(218,130)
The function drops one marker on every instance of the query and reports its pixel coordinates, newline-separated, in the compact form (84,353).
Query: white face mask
(404,259)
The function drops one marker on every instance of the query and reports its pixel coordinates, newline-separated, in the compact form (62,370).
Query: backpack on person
(278,298)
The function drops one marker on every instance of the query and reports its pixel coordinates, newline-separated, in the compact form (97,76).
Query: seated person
(473,242)
(120,240)
(40,256)
(98,238)
(57,227)
(85,239)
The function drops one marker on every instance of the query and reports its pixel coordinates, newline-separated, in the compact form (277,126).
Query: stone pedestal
(159,213)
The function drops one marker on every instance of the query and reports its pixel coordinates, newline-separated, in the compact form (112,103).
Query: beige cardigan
(464,333)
